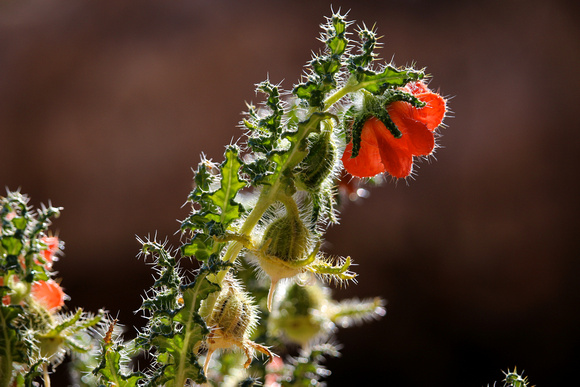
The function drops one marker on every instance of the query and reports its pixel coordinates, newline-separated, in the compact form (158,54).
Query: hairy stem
(351,86)
(180,377)
(271,194)
(45,375)
(6,360)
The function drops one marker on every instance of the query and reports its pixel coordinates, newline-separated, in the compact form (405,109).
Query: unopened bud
(287,238)
(318,164)
(299,314)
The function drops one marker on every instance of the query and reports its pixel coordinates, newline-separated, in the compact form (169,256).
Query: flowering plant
(256,230)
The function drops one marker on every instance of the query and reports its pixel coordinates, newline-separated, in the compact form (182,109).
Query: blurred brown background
(105,107)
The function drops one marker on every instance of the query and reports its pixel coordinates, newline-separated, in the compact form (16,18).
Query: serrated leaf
(258,170)
(200,246)
(265,130)
(203,178)
(272,121)
(230,184)
(199,220)
(311,91)
(390,77)
(111,370)
(366,56)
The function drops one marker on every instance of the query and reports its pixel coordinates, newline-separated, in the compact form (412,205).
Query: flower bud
(298,313)
(50,344)
(232,321)
(284,249)
(19,290)
(287,238)
(319,162)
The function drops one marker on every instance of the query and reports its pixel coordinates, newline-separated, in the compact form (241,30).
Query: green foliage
(286,176)
(31,335)
(12,348)
(20,243)
(291,156)
(515,379)
(218,208)
(325,67)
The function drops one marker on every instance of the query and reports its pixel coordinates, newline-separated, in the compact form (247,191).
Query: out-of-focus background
(105,106)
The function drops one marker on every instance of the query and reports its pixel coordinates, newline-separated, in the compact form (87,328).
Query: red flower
(49,253)
(381,152)
(48,293)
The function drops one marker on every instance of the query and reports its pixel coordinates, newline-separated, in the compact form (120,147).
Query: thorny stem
(271,194)
(180,377)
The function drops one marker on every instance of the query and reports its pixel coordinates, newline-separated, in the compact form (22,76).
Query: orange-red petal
(397,160)
(49,254)
(433,113)
(381,152)
(418,138)
(368,161)
(48,293)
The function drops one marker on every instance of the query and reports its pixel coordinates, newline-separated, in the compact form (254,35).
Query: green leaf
(12,245)
(265,131)
(325,67)
(368,43)
(19,222)
(200,246)
(112,370)
(230,184)
(390,77)
(203,178)
(258,170)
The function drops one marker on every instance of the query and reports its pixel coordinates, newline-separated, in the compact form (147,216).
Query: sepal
(387,78)
(371,105)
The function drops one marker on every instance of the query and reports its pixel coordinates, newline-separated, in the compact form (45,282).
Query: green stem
(180,377)
(271,194)
(180,374)
(6,360)
(46,376)
(351,86)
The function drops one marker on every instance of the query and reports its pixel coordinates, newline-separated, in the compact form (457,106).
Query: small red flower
(49,294)
(49,254)
(381,152)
